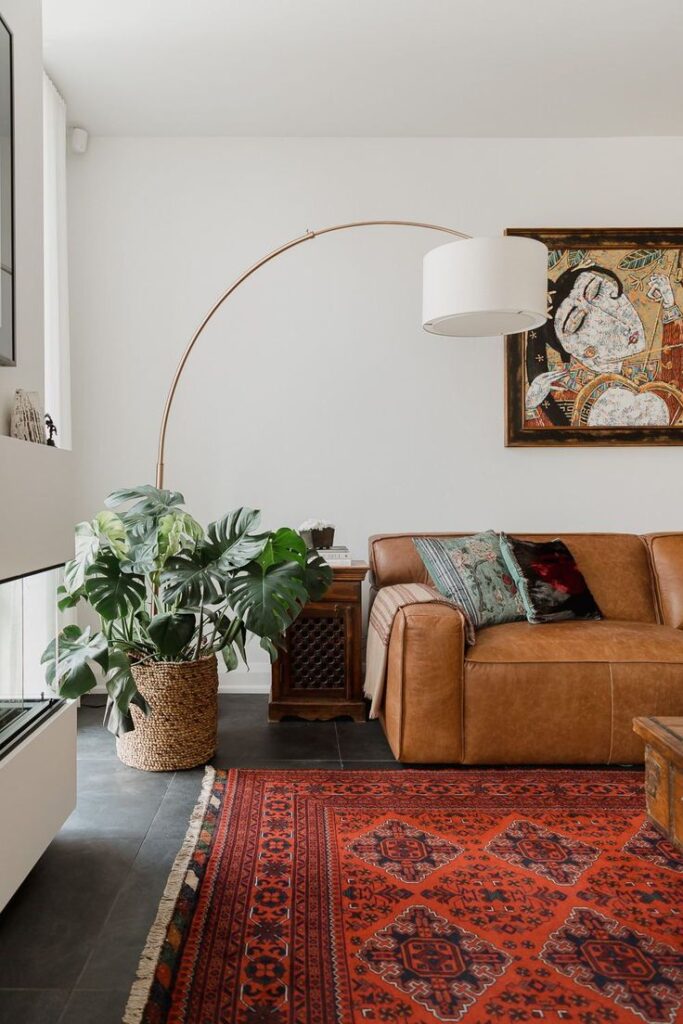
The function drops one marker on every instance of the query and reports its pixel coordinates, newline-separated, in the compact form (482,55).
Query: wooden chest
(664,774)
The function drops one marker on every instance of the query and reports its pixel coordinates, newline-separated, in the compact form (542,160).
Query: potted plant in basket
(170,596)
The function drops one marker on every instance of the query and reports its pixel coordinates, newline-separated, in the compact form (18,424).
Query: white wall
(315,391)
(23,18)
(36,483)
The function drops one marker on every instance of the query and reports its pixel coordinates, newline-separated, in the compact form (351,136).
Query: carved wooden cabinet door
(318,674)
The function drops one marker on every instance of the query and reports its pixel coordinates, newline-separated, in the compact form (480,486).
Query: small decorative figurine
(51,430)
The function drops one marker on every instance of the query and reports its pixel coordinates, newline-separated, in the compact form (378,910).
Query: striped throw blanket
(388,602)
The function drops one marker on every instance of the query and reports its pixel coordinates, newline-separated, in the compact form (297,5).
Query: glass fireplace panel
(28,621)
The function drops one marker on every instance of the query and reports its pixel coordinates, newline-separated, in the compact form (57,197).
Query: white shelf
(37,506)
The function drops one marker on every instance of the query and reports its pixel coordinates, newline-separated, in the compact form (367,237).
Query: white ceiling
(369,67)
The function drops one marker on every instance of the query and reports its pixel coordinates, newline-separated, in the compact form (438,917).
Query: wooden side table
(318,674)
(664,774)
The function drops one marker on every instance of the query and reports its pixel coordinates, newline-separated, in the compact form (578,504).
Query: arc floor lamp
(475,287)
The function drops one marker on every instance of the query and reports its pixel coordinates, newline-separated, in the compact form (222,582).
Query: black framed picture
(607,366)
(7,319)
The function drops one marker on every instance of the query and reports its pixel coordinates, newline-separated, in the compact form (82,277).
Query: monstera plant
(167,591)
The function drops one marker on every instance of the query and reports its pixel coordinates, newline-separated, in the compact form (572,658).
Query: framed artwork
(7,333)
(607,366)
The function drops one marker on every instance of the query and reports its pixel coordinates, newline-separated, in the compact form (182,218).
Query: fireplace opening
(29,619)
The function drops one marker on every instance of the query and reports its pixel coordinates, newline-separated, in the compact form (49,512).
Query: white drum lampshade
(485,286)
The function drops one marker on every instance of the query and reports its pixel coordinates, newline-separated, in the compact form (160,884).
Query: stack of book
(337,555)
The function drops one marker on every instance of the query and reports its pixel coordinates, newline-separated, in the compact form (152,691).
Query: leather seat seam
(611,714)
(463,662)
(575,661)
(401,718)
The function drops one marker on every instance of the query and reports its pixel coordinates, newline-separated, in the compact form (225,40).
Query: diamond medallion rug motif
(410,897)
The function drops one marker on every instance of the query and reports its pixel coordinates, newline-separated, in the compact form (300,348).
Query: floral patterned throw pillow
(470,572)
(550,583)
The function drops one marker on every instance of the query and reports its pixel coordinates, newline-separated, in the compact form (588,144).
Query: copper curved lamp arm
(240,280)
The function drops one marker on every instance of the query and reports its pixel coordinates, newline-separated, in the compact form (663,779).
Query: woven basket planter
(180,730)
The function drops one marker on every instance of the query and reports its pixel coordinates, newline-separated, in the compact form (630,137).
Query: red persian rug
(484,896)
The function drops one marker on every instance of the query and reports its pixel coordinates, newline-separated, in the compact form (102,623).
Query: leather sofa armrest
(422,713)
(666,556)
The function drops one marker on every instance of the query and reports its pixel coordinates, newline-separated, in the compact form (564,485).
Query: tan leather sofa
(558,693)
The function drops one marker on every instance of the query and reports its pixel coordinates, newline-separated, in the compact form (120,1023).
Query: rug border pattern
(149,958)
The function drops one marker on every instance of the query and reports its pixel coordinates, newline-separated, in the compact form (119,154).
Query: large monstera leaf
(152,541)
(106,532)
(268,600)
(147,501)
(111,530)
(190,580)
(317,576)
(171,631)
(197,577)
(142,549)
(285,545)
(67,660)
(112,592)
(87,547)
(177,532)
(122,692)
(230,543)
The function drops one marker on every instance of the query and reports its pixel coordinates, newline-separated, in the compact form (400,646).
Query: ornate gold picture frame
(607,367)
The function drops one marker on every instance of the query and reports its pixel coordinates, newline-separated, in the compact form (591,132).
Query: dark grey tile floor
(71,937)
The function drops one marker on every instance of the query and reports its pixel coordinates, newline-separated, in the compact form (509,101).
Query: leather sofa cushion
(615,565)
(563,713)
(577,641)
(567,692)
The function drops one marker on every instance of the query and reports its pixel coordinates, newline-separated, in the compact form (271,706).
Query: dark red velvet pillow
(549,581)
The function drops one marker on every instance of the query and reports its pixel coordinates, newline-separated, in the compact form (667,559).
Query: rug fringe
(149,958)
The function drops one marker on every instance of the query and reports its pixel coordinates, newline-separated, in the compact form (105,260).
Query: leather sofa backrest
(666,552)
(616,567)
